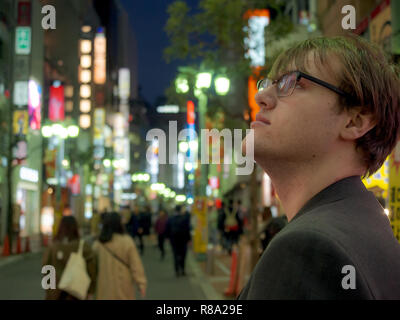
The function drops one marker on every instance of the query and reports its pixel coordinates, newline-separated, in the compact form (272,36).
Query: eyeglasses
(288,82)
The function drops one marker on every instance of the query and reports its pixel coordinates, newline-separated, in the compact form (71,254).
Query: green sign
(23,40)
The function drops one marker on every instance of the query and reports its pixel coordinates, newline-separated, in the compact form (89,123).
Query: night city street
(199,150)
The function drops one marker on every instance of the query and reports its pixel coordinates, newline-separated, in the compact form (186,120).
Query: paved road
(20,278)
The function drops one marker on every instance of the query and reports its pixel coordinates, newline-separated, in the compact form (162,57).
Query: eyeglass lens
(285,85)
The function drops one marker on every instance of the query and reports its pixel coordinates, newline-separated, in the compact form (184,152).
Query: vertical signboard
(56,103)
(255,45)
(124,77)
(200,240)
(24,13)
(34,104)
(394,191)
(23,40)
(100,57)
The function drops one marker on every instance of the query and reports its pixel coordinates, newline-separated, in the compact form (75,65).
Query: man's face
(299,128)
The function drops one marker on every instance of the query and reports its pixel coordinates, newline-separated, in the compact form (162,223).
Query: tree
(214,35)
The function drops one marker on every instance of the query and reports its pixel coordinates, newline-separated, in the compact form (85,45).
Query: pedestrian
(178,231)
(133,223)
(270,230)
(243,214)
(232,225)
(265,217)
(65,242)
(221,226)
(160,228)
(212,219)
(329,116)
(144,226)
(120,268)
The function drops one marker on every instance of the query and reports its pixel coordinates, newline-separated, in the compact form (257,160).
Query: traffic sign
(23,40)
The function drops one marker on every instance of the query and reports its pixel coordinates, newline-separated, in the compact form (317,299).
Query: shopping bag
(75,279)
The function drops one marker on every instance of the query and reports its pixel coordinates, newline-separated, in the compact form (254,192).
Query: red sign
(56,103)
(213,182)
(190,112)
(24,13)
(74,184)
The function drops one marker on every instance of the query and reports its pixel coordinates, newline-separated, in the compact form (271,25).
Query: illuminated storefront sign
(124,77)
(99,122)
(191,116)
(20,122)
(23,37)
(28,174)
(34,105)
(100,58)
(56,103)
(394,190)
(21,96)
(255,44)
(168,109)
(119,125)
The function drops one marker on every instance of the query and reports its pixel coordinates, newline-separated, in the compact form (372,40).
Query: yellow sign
(379,181)
(20,122)
(200,240)
(394,191)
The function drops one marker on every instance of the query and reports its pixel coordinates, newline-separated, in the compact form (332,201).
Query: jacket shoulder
(303,264)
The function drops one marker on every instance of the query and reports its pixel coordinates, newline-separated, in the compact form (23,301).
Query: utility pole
(10,142)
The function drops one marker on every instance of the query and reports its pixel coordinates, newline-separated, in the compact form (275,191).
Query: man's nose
(267,98)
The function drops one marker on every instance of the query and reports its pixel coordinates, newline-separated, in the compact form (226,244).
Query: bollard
(233,277)
(6,246)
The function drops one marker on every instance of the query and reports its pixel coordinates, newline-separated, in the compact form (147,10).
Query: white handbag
(75,279)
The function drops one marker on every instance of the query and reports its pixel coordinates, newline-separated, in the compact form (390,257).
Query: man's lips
(260,118)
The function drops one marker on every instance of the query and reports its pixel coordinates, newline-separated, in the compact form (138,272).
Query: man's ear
(358,123)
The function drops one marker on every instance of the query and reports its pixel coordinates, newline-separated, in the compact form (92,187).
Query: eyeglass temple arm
(323,83)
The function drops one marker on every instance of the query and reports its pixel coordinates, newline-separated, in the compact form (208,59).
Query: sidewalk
(219,273)
(35,246)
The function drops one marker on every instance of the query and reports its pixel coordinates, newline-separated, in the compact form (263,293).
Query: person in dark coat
(329,116)
(133,223)
(178,231)
(160,228)
(144,226)
(271,229)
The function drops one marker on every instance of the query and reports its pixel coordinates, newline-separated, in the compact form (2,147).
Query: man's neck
(295,186)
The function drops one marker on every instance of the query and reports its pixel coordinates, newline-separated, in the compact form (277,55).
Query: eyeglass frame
(308,77)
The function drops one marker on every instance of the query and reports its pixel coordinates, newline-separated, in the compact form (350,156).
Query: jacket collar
(345,188)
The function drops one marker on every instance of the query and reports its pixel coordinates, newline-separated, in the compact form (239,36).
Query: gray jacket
(343,225)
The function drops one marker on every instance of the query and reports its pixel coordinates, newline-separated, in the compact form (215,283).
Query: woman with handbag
(119,265)
(66,242)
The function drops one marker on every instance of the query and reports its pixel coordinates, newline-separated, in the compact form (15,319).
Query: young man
(329,116)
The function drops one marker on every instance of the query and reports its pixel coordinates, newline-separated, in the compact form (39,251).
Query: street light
(203,82)
(73,131)
(182,85)
(47,131)
(222,85)
(107,163)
